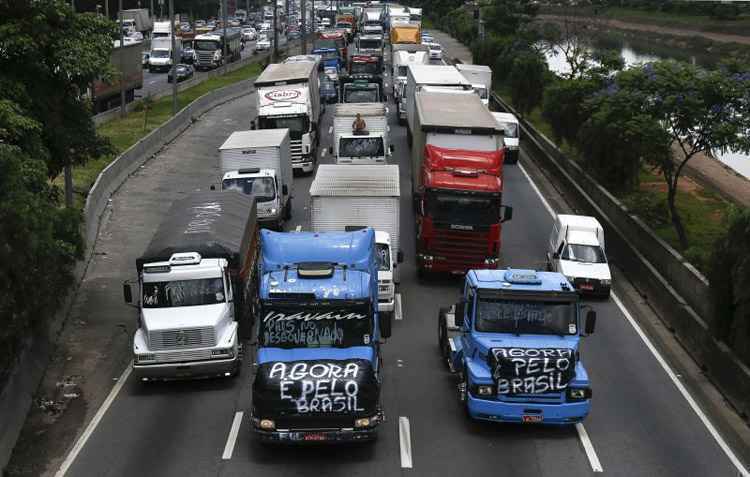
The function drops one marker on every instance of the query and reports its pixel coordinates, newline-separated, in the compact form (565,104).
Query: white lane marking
(234,431)
(404,435)
(683,390)
(71,457)
(596,466)
(672,376)
(398,311)
(452,345)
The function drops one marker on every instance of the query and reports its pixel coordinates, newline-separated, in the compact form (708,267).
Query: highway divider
(677,291)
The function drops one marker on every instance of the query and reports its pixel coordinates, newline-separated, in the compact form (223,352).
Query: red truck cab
(339,37)
(459,210)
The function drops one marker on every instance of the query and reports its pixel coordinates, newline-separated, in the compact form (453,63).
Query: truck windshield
(360,95)
(370,44)
(297,125)
(323,44)
(384,257)
(204,291)
(364,68)
(526,317)
(463,209)
(263,188)
(583,253)
(361,147)
(510,129)
(207,45)
(160,54)
(315,325)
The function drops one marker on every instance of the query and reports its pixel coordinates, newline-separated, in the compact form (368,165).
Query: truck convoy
(194,288)
(209,48)
(370,146)
(417,76)
(513,341)
(126,61)
(457,151)
(347,198)
(288,97)
(319,338)
(258,163)
(480,77)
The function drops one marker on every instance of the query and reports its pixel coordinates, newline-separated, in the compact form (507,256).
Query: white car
(249,34)
(436,51)
(263,44)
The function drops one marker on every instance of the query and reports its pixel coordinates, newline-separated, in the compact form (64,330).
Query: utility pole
(67,170)
(275,30)
(174,57)
(106,9)
(224,60)
(123,106)
(303,38)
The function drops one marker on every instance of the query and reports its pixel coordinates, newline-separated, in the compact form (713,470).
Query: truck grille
(543,398)
(182,356)
(205,58)
(295,149)
(314,422)
(460,249)
(182,339)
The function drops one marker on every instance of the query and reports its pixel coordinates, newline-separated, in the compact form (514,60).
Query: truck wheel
(443,334)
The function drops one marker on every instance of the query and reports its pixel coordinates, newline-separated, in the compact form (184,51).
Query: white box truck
(428,75)
(344,197)
(576,249)
(160,57)
(480,77)
(369,146)
(402,56)
(453,120)
(259,163)
(288,96)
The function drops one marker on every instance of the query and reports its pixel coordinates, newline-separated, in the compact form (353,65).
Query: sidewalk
(706,170)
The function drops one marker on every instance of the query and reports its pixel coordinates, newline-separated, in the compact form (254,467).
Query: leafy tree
(509,17)
(527,79)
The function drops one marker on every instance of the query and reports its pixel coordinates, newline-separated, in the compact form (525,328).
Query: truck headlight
(273,210)
(483,390)
(222,352)
(267,424)
(490,261)
(579,394)
(366,422)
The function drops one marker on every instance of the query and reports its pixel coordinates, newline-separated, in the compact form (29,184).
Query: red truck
(459,210)
(340,38)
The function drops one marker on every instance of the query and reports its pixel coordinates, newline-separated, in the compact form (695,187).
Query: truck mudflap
(316,400)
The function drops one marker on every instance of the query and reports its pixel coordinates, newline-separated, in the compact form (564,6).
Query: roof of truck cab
(277,72)
(355,249)
(456,181)
(437,75)
(472,67)
(341,180)
(255,138)
(349,285)
(496,280)
(579,222)
(457,111)
(364,109)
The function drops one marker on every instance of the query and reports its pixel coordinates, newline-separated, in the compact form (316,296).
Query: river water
(632,54)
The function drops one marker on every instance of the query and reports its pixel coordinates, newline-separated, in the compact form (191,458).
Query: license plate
(532,418)
(587,286)
(315,437)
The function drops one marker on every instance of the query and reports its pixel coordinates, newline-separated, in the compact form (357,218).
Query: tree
(570,37)
(527,79)
(509,17)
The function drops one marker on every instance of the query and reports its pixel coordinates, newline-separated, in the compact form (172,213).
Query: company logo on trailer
(283,95)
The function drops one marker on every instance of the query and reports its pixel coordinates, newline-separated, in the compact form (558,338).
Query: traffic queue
(319,304)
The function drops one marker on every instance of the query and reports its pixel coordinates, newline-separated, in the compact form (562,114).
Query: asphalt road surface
(640,424)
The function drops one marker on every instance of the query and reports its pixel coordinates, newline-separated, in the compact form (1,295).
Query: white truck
(259,163)
(402,56)
(194,288)
(161,30)
(480,77)
(417,76)
(370,146)
(512,137)
(288,96)
(454,120)
(345,198)
(210,48)
(576,249)
(160,57)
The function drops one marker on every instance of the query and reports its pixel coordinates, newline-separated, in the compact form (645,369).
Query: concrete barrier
(675,289)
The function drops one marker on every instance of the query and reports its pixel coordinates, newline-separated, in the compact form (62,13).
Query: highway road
(641,423)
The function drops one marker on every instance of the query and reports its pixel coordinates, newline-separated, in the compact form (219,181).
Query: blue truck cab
(329,56)
(512,340)
(319,336)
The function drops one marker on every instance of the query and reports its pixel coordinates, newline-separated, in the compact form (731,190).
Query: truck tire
(443,335)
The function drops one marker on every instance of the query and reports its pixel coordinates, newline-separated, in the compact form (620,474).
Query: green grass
(124,132)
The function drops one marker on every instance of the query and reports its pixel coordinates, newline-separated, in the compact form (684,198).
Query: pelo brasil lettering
(532,370)
(319,387)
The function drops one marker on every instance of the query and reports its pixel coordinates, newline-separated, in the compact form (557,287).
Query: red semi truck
(460,210)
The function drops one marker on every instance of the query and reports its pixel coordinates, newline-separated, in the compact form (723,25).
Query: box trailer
(418,76)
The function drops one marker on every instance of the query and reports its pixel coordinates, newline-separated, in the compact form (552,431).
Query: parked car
(189,55)
(263,44)
(233,22)
(183,72)
(436,51)
(249,34)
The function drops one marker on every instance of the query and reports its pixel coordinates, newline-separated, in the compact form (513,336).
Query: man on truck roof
(359,124)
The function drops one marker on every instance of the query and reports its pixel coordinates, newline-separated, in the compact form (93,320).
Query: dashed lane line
(404,435)
(234,431)
(596,466)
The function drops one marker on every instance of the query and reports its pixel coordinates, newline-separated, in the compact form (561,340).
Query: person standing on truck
(359,124)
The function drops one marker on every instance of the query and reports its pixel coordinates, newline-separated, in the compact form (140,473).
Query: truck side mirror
(284,189)
(590,322)
(458,313)
(507,213)
(385,324)
(127,293)
(399,256)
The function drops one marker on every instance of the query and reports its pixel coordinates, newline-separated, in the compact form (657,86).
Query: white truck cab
(512,136)
(576,249)
(369,146)
(264,185)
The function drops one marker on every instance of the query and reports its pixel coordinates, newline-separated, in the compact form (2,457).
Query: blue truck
(512,340)
(330,55)
(319,336)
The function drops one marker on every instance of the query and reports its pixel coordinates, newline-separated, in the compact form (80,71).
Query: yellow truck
(406,34)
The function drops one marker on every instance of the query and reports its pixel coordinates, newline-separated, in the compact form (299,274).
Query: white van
(576,249)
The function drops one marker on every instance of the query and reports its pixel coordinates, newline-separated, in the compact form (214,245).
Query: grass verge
(124,132)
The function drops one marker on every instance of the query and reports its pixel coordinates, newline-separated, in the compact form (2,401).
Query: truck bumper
(312,436)
(186,370)
(436,264)
(386,304)
(306,164)
(554,414)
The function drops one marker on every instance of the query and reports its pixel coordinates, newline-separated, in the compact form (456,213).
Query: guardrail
(677,291)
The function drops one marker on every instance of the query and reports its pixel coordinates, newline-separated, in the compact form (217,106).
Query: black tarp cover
(216,224)
(532,370)
(316,388)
